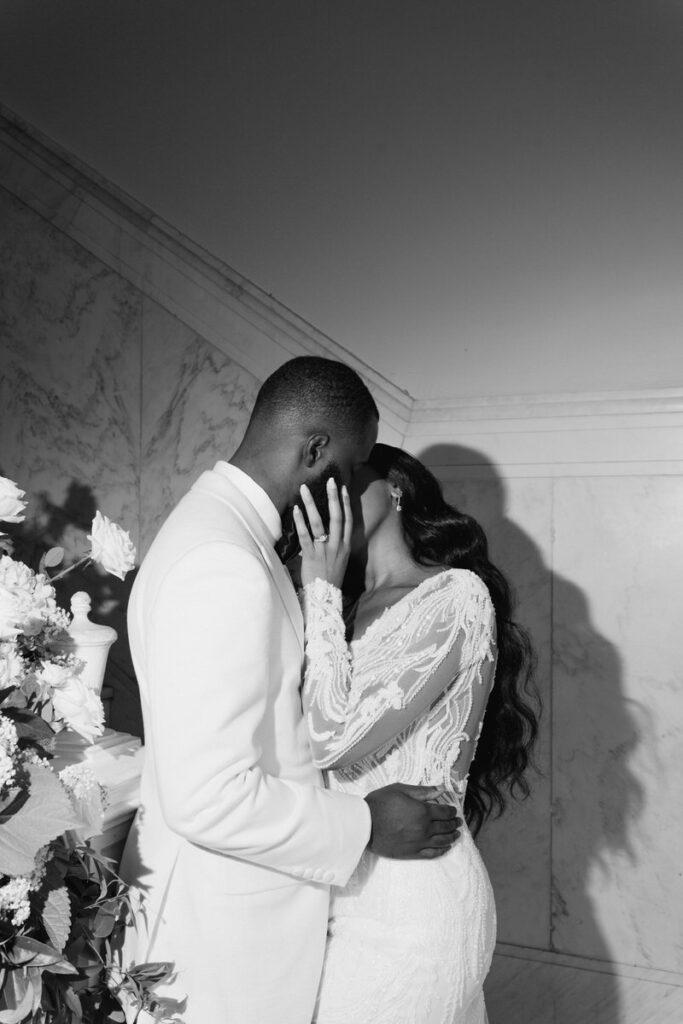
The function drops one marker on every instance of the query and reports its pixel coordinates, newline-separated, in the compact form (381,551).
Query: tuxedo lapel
(283,582)
(213,483)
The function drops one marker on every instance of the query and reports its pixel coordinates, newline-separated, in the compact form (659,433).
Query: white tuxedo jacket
(236,842)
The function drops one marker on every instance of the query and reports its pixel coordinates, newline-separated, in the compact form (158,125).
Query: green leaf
(45,815)
(30,726)
(35,977)
(51,558)
(16,998)
(152,970)
(81,955)
(15,800)
(55,871)
(29,952)
(57,917)
(103,925)
(74,1003)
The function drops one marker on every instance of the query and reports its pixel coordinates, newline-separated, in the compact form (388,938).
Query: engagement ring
(321,539)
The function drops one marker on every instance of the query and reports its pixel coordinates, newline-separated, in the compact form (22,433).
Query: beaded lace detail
(408,697)
(410,942)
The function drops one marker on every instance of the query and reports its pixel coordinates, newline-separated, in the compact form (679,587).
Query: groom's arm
(208,638)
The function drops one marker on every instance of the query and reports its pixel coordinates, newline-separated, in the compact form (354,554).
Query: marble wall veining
(107,401)
(195,406)
(70,410)
(618,720)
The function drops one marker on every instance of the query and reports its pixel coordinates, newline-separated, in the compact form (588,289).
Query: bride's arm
(445,640)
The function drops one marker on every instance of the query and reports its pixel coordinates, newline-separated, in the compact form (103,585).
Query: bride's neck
(389,562)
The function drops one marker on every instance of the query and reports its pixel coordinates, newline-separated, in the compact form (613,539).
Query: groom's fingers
(441,811)
(425,793)
(445,826)
(430,852)
(442,842)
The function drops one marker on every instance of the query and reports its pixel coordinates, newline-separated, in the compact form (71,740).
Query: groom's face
(345,456)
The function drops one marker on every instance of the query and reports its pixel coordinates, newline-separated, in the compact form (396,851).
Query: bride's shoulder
(461,584)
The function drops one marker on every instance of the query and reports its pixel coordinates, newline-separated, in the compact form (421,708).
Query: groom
(236,842)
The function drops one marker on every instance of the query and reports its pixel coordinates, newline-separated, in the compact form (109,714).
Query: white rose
(73,701)
(11,505)
(111,546)
(11,614)
(27,601)
(51,676)
(12,666)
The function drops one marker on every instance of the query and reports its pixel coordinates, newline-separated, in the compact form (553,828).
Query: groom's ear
(315,449)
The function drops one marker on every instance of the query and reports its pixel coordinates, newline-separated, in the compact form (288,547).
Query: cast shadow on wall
(67,526)
(602,797)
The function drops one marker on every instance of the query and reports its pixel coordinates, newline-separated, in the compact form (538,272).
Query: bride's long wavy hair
(438,534)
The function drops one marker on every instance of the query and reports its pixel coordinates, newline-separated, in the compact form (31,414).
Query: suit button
(308,873)
(328,876)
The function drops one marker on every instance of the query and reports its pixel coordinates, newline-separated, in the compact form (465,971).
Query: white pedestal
(115,759)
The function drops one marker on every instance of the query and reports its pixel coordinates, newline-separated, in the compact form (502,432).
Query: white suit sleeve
(208,637)
(357,700)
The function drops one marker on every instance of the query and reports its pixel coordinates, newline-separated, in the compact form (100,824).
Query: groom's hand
(405,824)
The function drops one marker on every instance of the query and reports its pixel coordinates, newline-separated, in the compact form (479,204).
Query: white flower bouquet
(63,909)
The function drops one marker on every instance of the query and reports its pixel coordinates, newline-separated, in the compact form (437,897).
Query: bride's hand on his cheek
(324,555)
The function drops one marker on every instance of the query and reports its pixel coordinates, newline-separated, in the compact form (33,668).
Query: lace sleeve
(356,699)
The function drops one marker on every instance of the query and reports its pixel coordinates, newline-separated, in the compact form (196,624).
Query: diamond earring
(397,493)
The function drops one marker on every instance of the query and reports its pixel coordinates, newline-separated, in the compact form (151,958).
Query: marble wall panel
(521,990)
(196,404)
(69,416)
(69,404)
(618,720)
(516,516)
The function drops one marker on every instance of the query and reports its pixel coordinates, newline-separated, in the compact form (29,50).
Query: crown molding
(615,433)
(560,406)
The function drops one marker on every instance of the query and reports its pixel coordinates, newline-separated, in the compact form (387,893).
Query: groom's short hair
(312,388)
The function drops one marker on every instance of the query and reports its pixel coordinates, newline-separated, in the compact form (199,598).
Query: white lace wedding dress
(410,941)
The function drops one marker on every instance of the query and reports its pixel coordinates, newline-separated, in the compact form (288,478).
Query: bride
(432,649)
